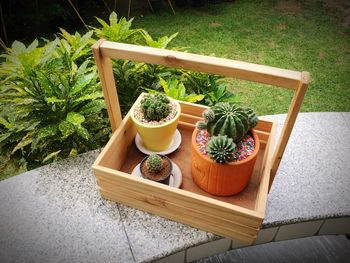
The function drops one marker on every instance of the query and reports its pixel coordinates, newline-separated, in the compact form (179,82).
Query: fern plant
(50,106)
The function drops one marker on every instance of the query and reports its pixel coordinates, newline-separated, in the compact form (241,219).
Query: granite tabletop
(55,213)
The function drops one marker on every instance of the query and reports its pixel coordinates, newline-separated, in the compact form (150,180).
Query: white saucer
(175,177)
(174,145)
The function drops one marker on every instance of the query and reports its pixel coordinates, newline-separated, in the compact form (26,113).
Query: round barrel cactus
(231,120)
(155,107)
(208,115)
(154,163)
(252,117)
(221,149)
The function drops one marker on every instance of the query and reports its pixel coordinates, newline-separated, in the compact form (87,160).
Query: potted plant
(157,168)
(156,118)
(224,149)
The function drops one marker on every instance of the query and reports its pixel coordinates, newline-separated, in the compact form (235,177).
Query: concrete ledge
(55,213)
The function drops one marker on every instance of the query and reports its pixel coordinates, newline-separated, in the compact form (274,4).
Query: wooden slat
(136,192)
(112,145)
(289,123)
(180,210)
(266,172)
(189,118)
(224,67)
(188,108)
(264,124)
(252,218)
(186,125)
(216,229)
(105,73)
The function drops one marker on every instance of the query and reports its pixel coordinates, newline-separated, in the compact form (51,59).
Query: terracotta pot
(158,138)
(222,179)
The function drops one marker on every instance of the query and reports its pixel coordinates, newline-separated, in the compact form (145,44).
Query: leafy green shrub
(117,30)
(176,90)
(161,42)
(212,87)
(129,81)
(51,103)
(51,107)
(132,77)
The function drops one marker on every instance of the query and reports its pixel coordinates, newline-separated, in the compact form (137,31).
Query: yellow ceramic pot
(158,138)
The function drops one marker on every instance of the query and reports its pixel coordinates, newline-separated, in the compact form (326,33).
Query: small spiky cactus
(155,107)
(154,163)
(201,125)
(252,117)
(221,148)
(208,115)
(231,120)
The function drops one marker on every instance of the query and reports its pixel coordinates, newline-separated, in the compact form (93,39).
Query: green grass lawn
(303,37)
(297,35)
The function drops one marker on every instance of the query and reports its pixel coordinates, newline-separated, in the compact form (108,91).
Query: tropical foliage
(51,101)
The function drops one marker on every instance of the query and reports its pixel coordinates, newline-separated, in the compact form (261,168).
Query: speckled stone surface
(313,179)
(55,213)
(152,237)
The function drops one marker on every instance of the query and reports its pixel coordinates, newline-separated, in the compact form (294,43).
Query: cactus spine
(231,120)
(252,117)
(201,125)
(154,163)
(221,148)
(208,115)
(155,107)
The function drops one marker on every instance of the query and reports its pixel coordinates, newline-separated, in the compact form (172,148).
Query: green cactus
(231,120)
(208,115)
(201,125)
(252,117)
(221,148)
(154,163)
(155,107)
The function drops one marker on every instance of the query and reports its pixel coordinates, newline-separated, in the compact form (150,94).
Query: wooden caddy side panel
(224,219)
(180,211)
(221,218)
(298,81)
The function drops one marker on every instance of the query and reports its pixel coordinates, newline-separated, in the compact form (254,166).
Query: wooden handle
(226,67)
(105,72)
(289,123)
(294,80)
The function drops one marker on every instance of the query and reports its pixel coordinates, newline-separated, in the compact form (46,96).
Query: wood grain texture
(289,123)
(105,72)
(225,67)
(265,172)
(236,217)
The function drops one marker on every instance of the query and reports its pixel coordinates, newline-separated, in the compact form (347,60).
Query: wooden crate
(236,217)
